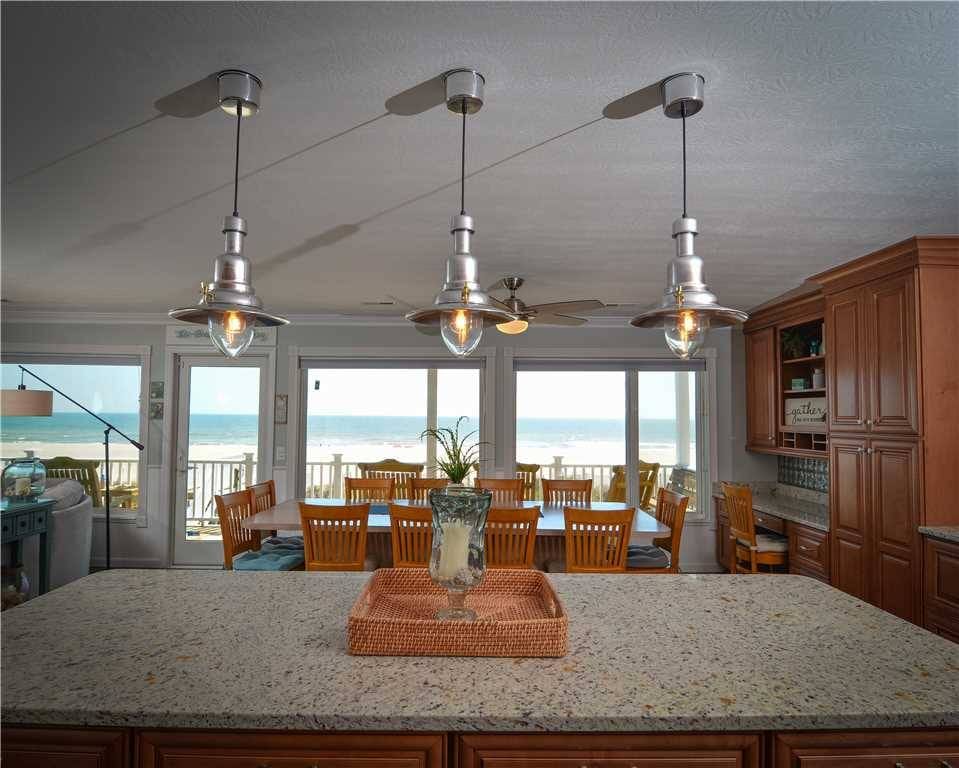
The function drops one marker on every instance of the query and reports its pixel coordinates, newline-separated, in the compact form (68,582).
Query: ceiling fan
(554,313)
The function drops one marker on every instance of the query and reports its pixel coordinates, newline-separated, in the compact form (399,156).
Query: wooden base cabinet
(65,748)
(890,749)
(941,588)
(603,750)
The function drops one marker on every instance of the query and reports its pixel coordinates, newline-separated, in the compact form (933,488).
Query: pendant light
(688,309)
(462,307)
(26,402)
(229,306)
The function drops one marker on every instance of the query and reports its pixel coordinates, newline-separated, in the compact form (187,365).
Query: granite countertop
(944,532)
(232,650)
(779,501)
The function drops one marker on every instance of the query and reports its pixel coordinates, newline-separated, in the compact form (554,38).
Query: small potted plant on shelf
(794,344)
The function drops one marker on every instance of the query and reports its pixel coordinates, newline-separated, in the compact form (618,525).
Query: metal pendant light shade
(462,308)
(688,308)
(228,305)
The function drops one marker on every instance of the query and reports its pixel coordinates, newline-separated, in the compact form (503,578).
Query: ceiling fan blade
(419,98)
(635,103)
(500,304)
(550,319)
(583,305)
(192,100)
(498,285)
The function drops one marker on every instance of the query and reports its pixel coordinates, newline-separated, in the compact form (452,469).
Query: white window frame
(300,359)
(631,358)
(89,354)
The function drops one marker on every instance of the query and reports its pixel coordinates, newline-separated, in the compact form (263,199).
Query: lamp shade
(26,402)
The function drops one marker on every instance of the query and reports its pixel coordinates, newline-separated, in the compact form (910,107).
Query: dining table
(550,530)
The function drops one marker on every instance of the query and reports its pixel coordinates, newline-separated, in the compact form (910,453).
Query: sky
(101,388)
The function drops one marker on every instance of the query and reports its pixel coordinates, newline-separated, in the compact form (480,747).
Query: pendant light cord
(463,165)
(236,164)
(683,111)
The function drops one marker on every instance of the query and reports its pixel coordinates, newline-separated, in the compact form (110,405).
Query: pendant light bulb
(461,331)
(685,332)
(231,332)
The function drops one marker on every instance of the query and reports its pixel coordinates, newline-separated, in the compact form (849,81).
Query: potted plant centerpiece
(458,556)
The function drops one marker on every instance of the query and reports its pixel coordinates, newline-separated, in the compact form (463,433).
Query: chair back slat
(504,491)
(411,532)
(399,471)
(739,507)
(511,537)
(264,495)
(567,491)
(596,542)
(357,489)
(648,475)
(232,509)
(334,537)
(671,511)
(617,484)
(420,487)
(529,474)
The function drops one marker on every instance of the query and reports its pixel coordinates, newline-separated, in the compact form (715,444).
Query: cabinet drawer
(808,548)
(217,749)
(942,575)
(769,522)
(877,749)
(604,750)
(38,521)
(65,748)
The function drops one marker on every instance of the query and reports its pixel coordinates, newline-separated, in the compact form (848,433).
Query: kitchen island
(156,663)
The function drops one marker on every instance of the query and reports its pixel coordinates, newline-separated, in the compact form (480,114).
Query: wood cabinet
(65,748)
(762,412)
(218,749)
(723,545)
(871,358)
(882,749)
(941,588)
(603,750)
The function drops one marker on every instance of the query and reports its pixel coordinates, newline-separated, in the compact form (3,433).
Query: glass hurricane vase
(458,557)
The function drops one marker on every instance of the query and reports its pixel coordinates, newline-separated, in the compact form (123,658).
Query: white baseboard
(703,567)
(97,564)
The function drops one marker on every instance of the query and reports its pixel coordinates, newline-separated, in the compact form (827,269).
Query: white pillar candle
(21,486)
(454,551)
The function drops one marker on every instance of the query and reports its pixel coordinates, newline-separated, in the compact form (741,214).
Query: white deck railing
(324,479)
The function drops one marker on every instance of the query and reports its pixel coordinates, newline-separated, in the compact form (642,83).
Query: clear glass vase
(458,558)
(23,480)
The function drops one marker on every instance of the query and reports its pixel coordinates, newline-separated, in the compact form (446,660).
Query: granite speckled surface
(944,532)
(787,503)
(213,649)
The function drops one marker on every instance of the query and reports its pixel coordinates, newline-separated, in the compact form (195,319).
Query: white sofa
(70,529)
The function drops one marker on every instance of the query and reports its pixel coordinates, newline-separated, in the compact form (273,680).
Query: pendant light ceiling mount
(462,308)
(229,305)
(688,308)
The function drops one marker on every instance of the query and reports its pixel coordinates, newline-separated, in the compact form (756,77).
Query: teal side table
(19,521)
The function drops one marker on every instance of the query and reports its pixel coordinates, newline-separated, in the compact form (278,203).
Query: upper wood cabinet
(761,398)
(845,356)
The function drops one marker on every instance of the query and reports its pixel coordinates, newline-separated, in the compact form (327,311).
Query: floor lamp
(24,402)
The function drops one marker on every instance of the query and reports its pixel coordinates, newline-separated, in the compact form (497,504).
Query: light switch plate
(280,454)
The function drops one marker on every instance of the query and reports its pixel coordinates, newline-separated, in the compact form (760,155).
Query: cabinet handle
(805,549)
(860,449)
(859,421)
(870,451)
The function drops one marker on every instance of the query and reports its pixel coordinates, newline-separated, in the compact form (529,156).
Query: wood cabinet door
(606,750)
(882,749)
(808,551)
(250,749)
(845,362)
(723,548)
(894,503)
(891,362)
(65,748)
(941,588)
(762,410)
(848,513)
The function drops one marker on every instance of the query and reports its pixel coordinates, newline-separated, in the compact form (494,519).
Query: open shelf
(807,359)
(801,439)
(813,429)
(806,391)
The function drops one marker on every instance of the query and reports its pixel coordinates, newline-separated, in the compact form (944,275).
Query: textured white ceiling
(829,130)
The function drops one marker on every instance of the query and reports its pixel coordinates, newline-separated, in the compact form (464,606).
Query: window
(371,413)
(572,423)
(70,442)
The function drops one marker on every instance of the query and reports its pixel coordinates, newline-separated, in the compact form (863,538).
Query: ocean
(241,429)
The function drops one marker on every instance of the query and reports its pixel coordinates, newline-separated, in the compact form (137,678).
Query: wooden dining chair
(596,541)
(617,484)
(529,474)
(357,489)
(511,537)
(411,531)
(420,487)
(264,495)
(334,537)
(401,473)
(748,549)
(232,509)
(567,491)
(504,491)
(662,556)
(648,475)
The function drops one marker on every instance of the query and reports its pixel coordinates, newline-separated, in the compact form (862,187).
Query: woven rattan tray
(518,614)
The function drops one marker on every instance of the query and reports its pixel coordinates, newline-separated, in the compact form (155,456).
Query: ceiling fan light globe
(231,332)
(513,327)
(685,333)
(461,331)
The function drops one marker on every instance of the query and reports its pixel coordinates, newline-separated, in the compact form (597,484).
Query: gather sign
(804,411)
